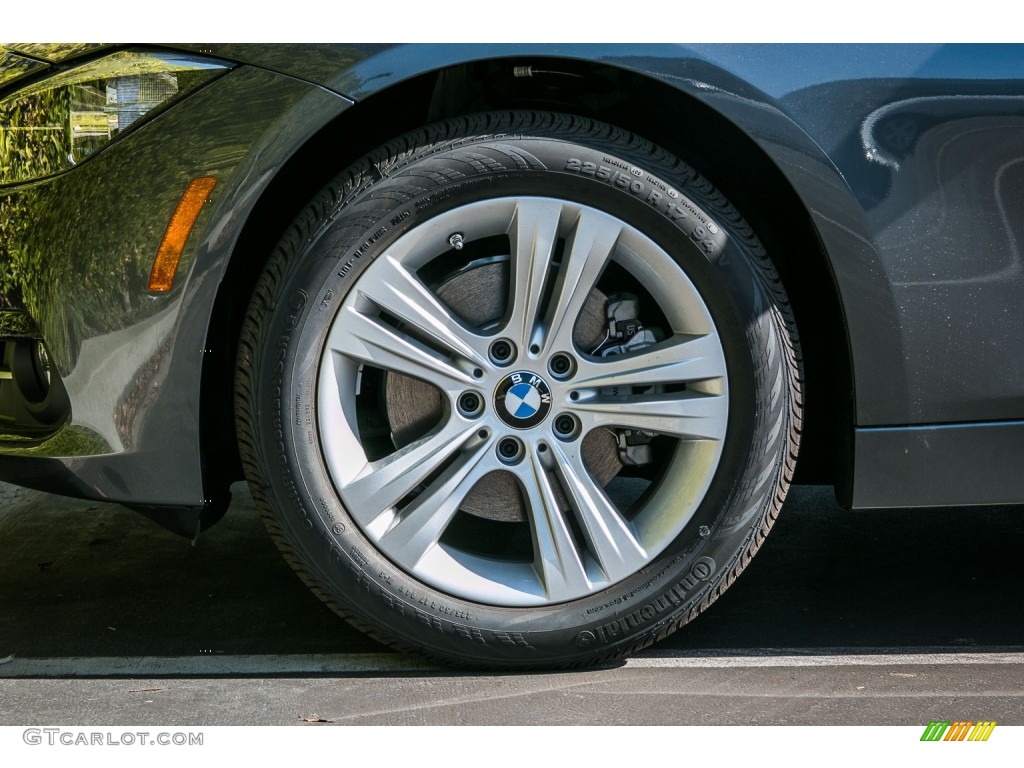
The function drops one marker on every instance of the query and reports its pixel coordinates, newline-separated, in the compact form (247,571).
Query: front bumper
(76,252)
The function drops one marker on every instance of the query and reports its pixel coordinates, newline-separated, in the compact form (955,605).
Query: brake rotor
(478,295)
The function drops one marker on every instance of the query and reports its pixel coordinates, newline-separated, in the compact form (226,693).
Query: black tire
(396,192)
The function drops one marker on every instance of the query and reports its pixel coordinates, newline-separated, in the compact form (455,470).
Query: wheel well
(683,125)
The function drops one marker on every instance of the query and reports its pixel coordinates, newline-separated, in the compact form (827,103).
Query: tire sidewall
(665,203)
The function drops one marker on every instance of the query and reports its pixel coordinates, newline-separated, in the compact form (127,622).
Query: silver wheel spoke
(587,252)
(556,559)
(533,233)
(368,340)
(424,520)
(676,360)
(611,538)
(396,290)
(383,483)
(685,414)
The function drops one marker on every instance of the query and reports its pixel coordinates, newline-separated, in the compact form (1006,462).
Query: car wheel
(519,389)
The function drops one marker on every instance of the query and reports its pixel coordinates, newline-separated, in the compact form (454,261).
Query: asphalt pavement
(844,618)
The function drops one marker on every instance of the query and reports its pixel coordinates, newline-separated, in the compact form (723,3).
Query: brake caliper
(627,334)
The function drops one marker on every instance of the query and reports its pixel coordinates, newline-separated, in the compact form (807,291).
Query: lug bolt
(561,365)
(502,352)
(470,404)
(510,450)
(566,427)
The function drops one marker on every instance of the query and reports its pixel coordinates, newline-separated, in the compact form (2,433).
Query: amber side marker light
(178,229)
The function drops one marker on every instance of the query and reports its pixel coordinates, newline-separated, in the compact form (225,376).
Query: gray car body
(892,180)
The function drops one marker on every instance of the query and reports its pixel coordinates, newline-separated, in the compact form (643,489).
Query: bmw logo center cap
(522,399)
